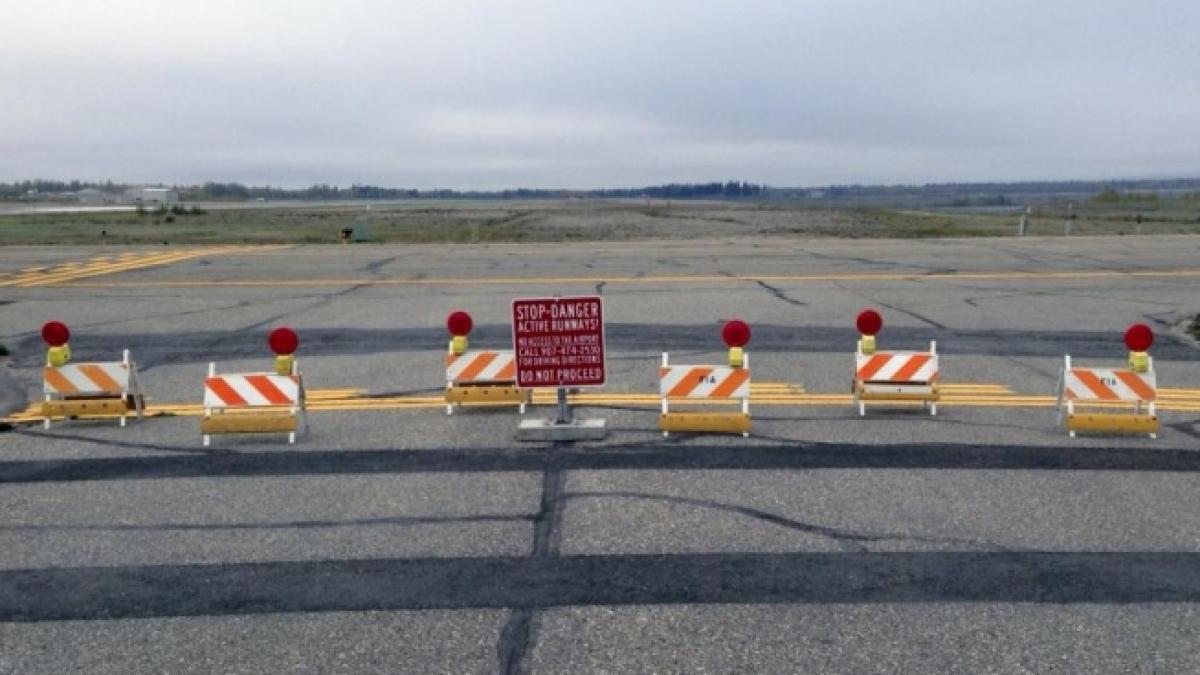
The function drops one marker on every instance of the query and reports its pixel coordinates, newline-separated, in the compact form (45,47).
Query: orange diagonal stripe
(731,383)
(1092,382)
(694,378)
(873,366)
(96,374)
(267,388)
(1136,385)
(915,363)
(507,372)
(477,366)
(223,391)
(57,382)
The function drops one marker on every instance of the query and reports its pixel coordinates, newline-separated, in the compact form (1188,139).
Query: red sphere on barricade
(283,341)
(459,323)
(736,333)
(1139,337)
(56,333)
(869,322)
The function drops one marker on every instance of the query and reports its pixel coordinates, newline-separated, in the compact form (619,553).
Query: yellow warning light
(458,345)
(866,344)
(737,357)
(284,363)
(58,356)
(1139,362)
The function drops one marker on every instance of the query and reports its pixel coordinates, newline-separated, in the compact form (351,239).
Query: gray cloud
(584,94)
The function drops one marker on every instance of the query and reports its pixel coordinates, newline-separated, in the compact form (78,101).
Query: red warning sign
(559,342)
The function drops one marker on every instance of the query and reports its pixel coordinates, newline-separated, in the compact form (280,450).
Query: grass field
(575,220)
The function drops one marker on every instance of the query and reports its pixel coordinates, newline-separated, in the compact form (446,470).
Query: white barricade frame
(128,386)
(296,408)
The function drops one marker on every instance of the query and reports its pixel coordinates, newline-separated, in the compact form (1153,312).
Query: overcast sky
(558,93)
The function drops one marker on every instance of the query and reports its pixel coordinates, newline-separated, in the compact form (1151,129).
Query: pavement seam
(518,637)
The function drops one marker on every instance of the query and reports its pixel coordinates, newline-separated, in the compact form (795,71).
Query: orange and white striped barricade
(483,377)
(252,403)
(705,385)
(896,376)
(104,389)
(1103,392)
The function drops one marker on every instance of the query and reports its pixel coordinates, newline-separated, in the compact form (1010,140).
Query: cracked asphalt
(981,540)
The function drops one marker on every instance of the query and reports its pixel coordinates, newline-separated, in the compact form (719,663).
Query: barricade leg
(746,411)
(205,439)
(665,405)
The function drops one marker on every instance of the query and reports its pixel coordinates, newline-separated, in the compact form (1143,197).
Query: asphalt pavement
(405,540)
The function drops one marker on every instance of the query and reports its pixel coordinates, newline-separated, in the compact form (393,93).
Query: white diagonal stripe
(456,368)
(674,375)
(286,384)
(74,374)
(1077,390)
(895,363)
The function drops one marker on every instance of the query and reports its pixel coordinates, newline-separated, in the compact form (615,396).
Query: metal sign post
(559,343)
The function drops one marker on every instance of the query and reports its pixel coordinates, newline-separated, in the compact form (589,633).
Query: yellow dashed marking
(772,394)
(125,262)
(666,279)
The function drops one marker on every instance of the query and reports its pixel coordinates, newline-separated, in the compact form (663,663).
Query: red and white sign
(559,342)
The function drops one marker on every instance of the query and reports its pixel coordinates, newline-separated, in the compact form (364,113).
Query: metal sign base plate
(551,431)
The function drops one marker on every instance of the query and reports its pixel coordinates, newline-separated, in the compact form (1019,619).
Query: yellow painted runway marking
(773,394)
(666,279)
(103,265)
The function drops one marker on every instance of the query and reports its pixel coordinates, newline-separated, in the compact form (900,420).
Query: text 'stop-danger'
(559,342)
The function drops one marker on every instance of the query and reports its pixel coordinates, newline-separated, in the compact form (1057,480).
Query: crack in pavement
(850,541)
(375,266)
(518,637)
(151,317)
(895,308)
(325,299)
(779,294)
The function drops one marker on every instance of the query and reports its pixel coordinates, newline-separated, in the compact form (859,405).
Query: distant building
(94,197)
(147,196)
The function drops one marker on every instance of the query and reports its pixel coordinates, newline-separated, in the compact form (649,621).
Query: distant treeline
(978,193)
(935,191)
(23,188)
(213,191)
(222,191)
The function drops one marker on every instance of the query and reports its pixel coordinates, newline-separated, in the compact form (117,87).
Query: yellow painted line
(355,399)
(1191,396)
(94,270)
(436,403)
(91,269)
(103,265)
(662,279)
(151,260)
